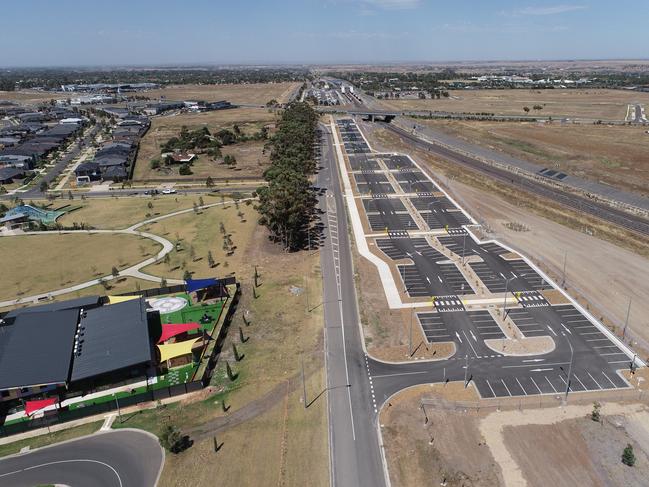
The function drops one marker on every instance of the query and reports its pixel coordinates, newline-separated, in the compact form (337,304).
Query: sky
(147,32)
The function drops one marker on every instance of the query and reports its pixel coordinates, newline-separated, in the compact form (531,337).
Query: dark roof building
(113,337)
(36,348)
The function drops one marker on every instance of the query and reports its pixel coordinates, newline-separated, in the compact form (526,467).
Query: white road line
(492,389)
(593,378)
(521,386)
(546,378)
(503,381)
(579,380)
(470,344)
(620,362)
(553,332)
(399,374)
(532,365)
(564,327)
(609,379)
(537,387)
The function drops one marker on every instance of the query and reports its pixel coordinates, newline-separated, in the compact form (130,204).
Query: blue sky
(89,32)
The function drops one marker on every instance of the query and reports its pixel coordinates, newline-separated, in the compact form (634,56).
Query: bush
(185,170)
(628,457)
(155,163)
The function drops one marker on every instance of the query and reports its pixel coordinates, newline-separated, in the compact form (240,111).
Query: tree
(209,182)
(201,202)
(70,195)
(155,163)
(43,186)
(184,170)
(210,259)
(114,271)
(187,275)
(170,438)
(195,206)
(595,414)
(163,282)
(628,457)
(526,109)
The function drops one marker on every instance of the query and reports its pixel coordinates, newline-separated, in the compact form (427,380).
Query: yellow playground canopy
(173,350)
(121,299)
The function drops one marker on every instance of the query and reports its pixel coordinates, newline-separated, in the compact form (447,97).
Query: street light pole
(466,371)
(565,261)
(412,312)
(505,300)
(463,247)
(569,369)
(119,412)
(626,321)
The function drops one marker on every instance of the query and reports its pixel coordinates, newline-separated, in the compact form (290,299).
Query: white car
(168,191)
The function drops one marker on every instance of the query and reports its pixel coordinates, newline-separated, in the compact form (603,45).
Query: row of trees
(287,204)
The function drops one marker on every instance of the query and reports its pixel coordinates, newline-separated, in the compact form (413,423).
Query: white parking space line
(546,378)
(608,378)
(503,381)
(492,389)
(579,380)
(521,385)
(590,375)
(535,385)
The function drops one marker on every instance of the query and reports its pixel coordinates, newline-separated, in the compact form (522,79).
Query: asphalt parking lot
(397,162)
(420,285)
(496,281)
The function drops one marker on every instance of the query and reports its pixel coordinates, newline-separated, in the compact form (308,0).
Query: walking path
(133,271)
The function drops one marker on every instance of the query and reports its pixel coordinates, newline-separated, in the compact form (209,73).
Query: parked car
(152,191)
(168,191)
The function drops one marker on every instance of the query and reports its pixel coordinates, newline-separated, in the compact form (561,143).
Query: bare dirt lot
(251,159)
(573,103)
(615,155)
(30,97)
(458,444)
(260,93)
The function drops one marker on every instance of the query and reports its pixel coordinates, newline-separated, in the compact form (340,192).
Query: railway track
(611,215)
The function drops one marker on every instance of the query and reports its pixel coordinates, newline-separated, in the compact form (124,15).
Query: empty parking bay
(527,324)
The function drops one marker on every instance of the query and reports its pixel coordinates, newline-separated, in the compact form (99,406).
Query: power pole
(565,261)
(303,383)
(412,312)
(463,247)
(626,321)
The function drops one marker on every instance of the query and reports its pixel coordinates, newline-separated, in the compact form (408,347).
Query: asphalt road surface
(125,458)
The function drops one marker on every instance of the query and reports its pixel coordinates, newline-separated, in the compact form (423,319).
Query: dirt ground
(446,441)
(603,278)
(259,93)
(574,103)
(251,161)
(446,448)
(615,155)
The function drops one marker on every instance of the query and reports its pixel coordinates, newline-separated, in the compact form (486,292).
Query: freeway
(124,458)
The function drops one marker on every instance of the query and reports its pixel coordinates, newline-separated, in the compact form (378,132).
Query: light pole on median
(507,279)
(569,369)
(463,247)
(626,321)
(466,371)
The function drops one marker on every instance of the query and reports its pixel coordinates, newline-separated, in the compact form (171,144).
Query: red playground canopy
(172,329)
(33,406)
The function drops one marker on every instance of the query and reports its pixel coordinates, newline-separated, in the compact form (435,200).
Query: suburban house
(87,172)
(181,157)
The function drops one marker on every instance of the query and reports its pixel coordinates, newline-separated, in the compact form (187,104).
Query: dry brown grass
(259,93)
(615,155)
(39,263)
(250,160)
(118,213)
(586,103)
(30,97)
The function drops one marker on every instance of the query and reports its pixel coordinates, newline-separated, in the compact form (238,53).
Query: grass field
(39,263)
(591,104)
(259,93)
(615,155)
(118,213)
(202,234)
(48,439)
(250,160)
(30,97)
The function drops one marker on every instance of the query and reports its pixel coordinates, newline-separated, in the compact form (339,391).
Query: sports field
(615,155)
(558,103)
